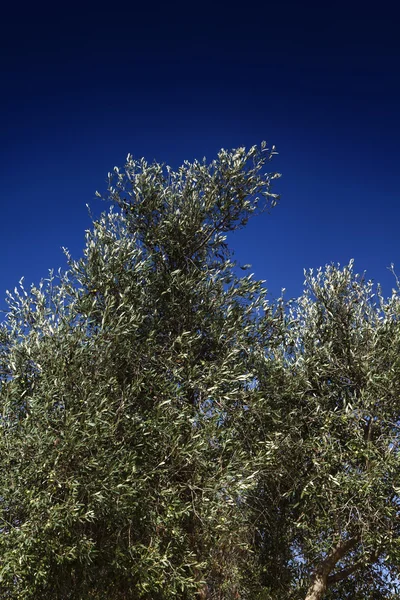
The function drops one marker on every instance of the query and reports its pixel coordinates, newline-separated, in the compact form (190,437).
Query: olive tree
(333,488)
(122,382)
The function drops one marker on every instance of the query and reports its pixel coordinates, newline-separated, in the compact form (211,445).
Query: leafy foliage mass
(166,432)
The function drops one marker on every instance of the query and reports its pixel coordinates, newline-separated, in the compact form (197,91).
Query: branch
(341,549)
(340,575)
(345,572)
(319,581)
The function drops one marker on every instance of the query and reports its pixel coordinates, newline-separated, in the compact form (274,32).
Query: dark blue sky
(82,88)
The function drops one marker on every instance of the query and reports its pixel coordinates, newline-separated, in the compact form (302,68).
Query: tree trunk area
(318,587)
(320,579)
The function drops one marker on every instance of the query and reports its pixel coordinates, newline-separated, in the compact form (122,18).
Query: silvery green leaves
(338,437)
(167,432)
(127,381)
(181,216)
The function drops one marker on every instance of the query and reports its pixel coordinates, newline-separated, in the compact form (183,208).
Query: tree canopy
(168,432)
(335,521)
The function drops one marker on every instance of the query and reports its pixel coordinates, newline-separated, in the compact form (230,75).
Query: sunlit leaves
(123,384)
(337,390)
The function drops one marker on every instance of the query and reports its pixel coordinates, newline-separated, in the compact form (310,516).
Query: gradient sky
(81,88)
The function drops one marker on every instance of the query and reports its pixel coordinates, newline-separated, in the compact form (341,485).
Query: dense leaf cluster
(166,432)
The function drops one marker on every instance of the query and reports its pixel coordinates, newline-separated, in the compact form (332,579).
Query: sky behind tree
(82,88)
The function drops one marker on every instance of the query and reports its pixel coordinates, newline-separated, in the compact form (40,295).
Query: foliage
(121,382)
(336,495)
(168,433)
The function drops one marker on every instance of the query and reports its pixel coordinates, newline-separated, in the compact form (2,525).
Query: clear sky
(82,87)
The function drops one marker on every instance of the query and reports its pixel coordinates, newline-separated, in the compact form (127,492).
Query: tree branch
(340,575)
(319,582)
